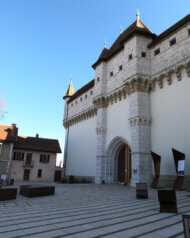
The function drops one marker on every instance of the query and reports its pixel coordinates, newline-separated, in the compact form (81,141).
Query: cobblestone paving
(88,210)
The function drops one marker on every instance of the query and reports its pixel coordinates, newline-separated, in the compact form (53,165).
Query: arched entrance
(124,165)
(118,162)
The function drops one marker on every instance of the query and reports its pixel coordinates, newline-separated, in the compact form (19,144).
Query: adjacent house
(27,158)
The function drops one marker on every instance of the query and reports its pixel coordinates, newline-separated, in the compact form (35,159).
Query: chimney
(37,135)
(14,131)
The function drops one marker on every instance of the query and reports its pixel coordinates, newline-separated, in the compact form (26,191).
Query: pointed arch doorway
(124,165)
(118,162)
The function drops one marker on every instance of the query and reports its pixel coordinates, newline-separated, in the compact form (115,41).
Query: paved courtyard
(88,210)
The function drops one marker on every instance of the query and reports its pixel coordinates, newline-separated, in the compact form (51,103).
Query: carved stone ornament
(168,75)
(140,121)
(137,85)
(79,118)
(100,102)
(100,131)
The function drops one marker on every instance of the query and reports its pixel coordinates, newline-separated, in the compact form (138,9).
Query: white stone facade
(141,101)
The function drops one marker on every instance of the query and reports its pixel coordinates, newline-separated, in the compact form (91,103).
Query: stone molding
(101,131)
(138,84)
(140,121)
(100,102)
(159,78)
(79,118)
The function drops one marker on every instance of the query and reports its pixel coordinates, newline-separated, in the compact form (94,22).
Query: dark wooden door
(121,166)
(57,176)
(26,174)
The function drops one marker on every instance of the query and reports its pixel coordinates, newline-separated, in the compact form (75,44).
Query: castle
(137,103)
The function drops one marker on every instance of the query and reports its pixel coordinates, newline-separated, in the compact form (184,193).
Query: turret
(68,95)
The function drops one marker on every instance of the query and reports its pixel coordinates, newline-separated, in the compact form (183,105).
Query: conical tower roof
(70,91)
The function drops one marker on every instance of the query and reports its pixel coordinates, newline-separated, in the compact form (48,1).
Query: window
(81,99)
(173,42)
(189,32)
(98,79)
(71,104)
(75,102)
(44,158)
(29,158)
(18,156)
(157,51)
(120,67)
(91,92)
(130,57)
(143,54)
(86,96)
(111,73)
(39,173)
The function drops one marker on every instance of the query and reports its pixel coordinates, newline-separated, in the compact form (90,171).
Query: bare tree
(3,104)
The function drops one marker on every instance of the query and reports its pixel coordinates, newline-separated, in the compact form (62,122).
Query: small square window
(91,92)
(143,54)
(81,99)
(157,51)
(173,42)
(86,96)
(130,57)
(111,73)
(98,79)
(120,67)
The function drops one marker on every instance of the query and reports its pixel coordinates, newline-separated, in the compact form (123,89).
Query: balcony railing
(28,165)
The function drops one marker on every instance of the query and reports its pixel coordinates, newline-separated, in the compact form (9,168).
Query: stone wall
(81,151)
(5,158)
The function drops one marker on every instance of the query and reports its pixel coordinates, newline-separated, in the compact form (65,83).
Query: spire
(138,15)
(121,30)
(70,90)
(105,43)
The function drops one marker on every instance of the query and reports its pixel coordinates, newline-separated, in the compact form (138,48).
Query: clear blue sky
(44,42)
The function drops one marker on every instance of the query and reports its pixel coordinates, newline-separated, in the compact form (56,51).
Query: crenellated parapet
(81,117)
(167,75)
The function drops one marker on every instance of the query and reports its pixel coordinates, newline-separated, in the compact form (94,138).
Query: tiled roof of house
(137,27)
(37,144)
(170,31)
(8,133)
